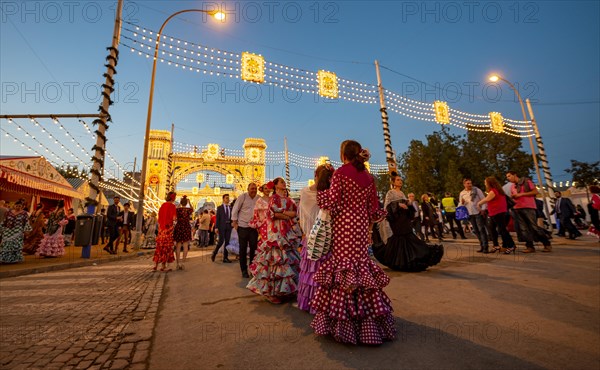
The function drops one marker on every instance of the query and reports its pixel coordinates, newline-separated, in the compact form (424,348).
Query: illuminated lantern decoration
(328,84)
(213,151)
(368,166)
(322,161)
(496,122)
(442,114)
(229,178)
(208,199)
(217,190)
(200,178)
(253,67)
(154,180)
(195,190)
(311,182)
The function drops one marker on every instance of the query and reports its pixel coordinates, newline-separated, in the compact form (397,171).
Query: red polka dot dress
(350,302)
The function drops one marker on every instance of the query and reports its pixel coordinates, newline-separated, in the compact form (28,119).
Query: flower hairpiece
(365,154)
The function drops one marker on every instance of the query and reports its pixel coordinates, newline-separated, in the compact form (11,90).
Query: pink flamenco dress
(276,264)
(53,244)
(350,303)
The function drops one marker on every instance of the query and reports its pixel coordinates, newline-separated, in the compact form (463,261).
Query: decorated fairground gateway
(166,168)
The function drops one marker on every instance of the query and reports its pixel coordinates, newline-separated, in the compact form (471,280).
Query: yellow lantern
(200,178)
(496,122)
(328,84)
(311,182)
(213,151)
(209,199)
(229,178)
(217,190)
(253,67)
(368,166)
(195,190)
(442,114)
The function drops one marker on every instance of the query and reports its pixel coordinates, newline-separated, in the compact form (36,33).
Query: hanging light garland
(255,68)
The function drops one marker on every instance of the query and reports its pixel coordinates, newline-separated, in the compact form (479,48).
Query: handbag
(320,237)
(462,213)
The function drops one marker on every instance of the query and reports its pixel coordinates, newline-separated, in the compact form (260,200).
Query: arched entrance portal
(239,170)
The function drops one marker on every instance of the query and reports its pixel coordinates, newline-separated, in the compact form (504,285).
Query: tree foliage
(440,164)
(584,173)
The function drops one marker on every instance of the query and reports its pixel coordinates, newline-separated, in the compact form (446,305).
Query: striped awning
(21,182)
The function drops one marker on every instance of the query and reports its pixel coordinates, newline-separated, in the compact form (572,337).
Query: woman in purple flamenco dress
(311,260)
(350,303)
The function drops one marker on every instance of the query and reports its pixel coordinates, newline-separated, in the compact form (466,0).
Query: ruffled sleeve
(274,206)
(376,214)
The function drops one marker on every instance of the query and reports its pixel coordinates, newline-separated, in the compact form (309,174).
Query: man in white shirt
(469,198)
(242,213)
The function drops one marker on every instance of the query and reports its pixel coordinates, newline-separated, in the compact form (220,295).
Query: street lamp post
(495,78)
(140,210)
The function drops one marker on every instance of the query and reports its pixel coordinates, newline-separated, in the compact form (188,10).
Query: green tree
(382,183)
(432,167)
(489,154)
(584,174)
(416,168)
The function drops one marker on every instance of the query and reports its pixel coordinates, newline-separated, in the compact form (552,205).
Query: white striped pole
(542,153)
(389,152)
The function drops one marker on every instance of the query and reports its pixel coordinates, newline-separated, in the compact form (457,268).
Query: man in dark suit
(564,210)
(223,228)
(112,224)
(126,220)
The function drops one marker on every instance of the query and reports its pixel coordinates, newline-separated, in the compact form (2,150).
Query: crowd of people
(318,252)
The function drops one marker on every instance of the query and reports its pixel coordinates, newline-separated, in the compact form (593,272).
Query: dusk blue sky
(551,50)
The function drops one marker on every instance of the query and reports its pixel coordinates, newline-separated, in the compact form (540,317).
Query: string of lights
(59,159)
(117,164)
(208,60)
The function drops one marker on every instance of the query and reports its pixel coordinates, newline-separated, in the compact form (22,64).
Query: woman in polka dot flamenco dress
(350,302)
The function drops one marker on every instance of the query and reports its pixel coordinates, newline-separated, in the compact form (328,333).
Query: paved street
(84,318)
(471,311)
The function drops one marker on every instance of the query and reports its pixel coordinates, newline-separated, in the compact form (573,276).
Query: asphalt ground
(472,311)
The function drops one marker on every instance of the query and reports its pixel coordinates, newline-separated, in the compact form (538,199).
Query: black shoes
(245,275)
(226,260)
(212,257)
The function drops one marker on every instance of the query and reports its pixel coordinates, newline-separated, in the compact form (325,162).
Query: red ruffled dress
(350,302)
(164,241)
(276,265)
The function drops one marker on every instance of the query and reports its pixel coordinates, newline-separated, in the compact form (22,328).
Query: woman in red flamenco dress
(350,302)
(163,253)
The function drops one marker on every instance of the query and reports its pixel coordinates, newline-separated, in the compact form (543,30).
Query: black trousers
(224,235)
(451,219)
(567,224)
(499,223)
(113,235)
(248,239)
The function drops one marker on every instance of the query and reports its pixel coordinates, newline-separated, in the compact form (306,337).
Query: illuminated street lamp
(496,78)
(140,211)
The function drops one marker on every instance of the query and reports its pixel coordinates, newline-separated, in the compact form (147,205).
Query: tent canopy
(34,176)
